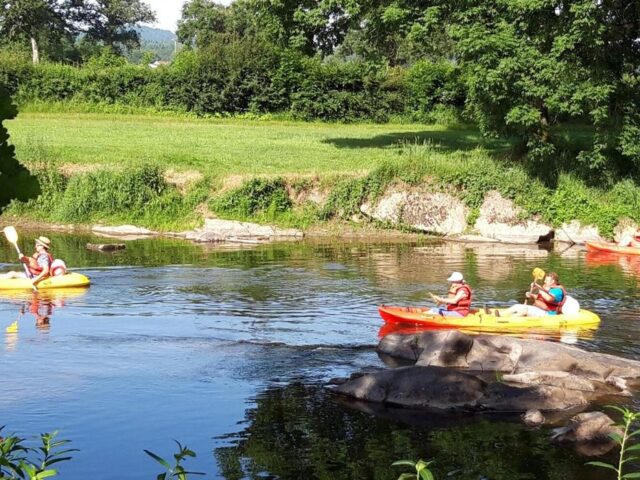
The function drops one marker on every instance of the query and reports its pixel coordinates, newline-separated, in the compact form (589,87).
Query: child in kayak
(38,265)
(458,300)
(548,299)
(630,240)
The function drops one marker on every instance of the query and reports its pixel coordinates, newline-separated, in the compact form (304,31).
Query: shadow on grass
(448,140)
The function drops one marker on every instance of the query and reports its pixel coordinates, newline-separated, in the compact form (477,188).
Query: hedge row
(244,77)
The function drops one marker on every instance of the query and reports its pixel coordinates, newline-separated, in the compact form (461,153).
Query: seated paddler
(548,299)
(38,265)
(458,300)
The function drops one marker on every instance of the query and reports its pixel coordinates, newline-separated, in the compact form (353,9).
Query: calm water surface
(228,351)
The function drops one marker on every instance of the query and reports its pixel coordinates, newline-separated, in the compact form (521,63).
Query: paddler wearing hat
(38,264)
(458,299)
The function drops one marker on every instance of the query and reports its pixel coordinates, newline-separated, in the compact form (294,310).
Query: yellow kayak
(68,280)
(478,319)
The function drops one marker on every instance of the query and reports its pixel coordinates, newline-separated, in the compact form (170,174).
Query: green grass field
(225,147)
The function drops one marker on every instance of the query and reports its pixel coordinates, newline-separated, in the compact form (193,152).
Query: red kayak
(612,248)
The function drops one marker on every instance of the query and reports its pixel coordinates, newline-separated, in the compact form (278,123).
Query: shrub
(267,196)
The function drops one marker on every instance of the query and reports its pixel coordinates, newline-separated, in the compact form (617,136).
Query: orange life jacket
(552,305)
(34,268)
(463,305)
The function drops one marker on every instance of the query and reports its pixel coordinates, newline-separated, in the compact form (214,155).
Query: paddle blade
(538,274)
(11,234)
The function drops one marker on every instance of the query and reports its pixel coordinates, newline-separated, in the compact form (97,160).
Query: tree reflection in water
(299,431)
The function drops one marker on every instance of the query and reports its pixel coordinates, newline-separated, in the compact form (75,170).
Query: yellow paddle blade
(13,328)
(538,274)
(11,234)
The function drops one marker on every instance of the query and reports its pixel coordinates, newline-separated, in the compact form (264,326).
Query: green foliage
(135,194)
(20,462)
(627,450)
(421,467)
(15,180)
(266,196)
(176,470)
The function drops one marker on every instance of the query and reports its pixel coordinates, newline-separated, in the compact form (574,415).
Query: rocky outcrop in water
(453,370)
(217,230)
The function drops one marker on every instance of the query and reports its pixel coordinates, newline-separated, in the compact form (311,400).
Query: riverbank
(170,174)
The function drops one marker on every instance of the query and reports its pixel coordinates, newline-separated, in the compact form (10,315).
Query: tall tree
(15,180)
(37,20)
(534,64)
(201,22)
(113,22)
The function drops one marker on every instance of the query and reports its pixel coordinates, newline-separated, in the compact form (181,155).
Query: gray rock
(432,212)
(217,230)
(503,221)
(106,247)
(501,397)
(590,432)
(533,418)
(418,387)
(499,353)
(127,232)
(564,380)
(575,232)
(625,228)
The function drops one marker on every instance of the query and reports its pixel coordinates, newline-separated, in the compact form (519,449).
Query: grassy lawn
(225,147)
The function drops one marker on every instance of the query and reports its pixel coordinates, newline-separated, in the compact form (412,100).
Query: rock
(564,380)
(106,247)
(423,387)
(590,432)
(432,212)
(128,232)
(625,228)
(501,397)
(216,230)
(484,352)
(501,220)
(533,418)
(575,232)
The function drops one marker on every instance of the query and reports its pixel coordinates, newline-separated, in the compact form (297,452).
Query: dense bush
(139,195)
(266,196)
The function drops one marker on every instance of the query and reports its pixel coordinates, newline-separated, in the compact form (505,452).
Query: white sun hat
(455,277)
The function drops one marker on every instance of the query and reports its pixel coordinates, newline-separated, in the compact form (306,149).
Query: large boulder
(501,220)
(575,232)
(432,212)
(513,355)
(423,387)
(448,389)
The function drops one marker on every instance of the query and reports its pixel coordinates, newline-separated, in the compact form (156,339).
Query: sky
(168,12)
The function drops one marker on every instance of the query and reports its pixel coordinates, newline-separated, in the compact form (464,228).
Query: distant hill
(150,34)
(156,40)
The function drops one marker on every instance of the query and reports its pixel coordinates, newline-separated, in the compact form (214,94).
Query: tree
(112,22)
(39,20)
(15,180)
(535,64)
(201,22)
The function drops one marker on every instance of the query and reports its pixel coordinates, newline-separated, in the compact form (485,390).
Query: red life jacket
(552,305)
(463,306)
(34,268)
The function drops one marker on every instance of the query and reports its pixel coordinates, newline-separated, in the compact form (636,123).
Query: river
(228,351)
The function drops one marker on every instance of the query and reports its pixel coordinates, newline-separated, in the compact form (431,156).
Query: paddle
(12,237)
(434,298)
(538,274)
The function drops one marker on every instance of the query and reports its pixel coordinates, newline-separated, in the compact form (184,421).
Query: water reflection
(299,431)
(40,305)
